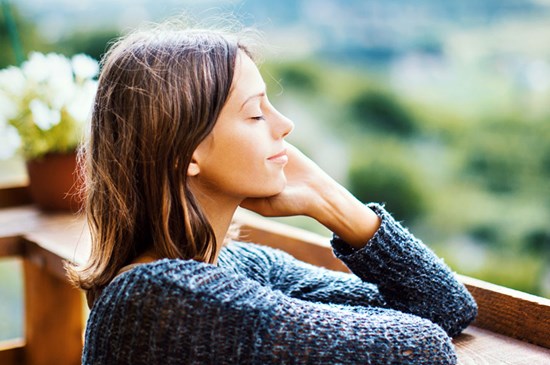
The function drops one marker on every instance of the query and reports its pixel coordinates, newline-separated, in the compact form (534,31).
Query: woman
(182,134)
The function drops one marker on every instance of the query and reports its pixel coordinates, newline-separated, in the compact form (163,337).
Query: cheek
(243,172)
(237,164)
(251,176)
(262,181)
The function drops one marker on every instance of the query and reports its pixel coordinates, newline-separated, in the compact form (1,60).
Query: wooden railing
(512,327)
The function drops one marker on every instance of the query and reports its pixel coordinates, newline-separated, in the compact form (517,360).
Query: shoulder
(171,303)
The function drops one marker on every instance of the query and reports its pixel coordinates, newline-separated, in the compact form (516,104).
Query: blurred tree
(505,156)
(488,235)
(538,242)
(392,183)
(381,111)
(94,42)
(12,32)
(302,76)
(493,170)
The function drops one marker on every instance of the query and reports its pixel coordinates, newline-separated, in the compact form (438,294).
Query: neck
(219,211)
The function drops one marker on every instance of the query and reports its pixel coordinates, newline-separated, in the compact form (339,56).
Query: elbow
(468,314)
(461,315)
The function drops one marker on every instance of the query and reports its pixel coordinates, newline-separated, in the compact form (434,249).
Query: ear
(193,169)
(200,153)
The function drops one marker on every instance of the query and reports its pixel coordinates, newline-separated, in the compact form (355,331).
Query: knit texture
(262,306)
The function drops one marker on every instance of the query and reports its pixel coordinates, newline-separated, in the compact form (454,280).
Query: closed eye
(261,117)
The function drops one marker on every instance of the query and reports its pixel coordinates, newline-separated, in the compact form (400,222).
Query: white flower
(80,106)
(9,108)
(58,91)
(36,68)
(9,142)
(44,117)
(12,81)
(45,89)
(40,67)
(59,85)
(59,67)
(50,76)
(84,67)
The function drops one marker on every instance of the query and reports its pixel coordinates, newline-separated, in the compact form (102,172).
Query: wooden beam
(12,246)
(303,245)
(12,352)
(50,262)
(13,196)
(510,312)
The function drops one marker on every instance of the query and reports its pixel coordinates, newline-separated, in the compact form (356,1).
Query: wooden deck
(512,327)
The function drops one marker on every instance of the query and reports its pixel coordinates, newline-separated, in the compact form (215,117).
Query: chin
(281,185)
(273,188)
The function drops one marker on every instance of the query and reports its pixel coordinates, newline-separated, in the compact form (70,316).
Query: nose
(282,126)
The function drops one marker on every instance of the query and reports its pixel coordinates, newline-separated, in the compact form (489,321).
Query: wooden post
(53,317)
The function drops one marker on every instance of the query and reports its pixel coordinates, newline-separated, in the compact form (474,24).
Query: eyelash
(261,117)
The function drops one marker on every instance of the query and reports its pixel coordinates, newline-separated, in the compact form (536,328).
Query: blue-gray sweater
(261,306)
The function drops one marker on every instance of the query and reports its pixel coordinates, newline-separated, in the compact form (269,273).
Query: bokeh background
(440,109)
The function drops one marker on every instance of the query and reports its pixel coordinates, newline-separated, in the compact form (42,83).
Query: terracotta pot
(54,183)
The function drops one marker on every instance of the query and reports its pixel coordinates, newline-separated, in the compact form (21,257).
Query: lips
(280,157)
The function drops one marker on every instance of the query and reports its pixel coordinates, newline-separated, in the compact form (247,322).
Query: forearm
(345,215)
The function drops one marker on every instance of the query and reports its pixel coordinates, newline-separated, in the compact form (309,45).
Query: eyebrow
(258,95)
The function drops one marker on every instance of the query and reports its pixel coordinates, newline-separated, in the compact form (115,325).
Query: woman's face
(244,156)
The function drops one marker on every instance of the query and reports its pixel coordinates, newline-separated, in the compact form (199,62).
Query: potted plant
(44,106)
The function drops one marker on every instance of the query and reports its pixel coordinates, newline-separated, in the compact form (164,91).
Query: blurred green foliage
(378,110)
(391,181)
(27,36)
(298,75)
(94,44)
(508,156)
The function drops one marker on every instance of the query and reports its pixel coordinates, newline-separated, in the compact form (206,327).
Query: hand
(306,183)
(312,192)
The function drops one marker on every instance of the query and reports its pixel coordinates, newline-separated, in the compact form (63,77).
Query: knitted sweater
(261,306)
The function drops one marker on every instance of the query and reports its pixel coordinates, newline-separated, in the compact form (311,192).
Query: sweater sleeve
(174,312)
(394,270)
(409,276)
(280,271)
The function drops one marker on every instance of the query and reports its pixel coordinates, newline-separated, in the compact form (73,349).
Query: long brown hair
(160,93)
